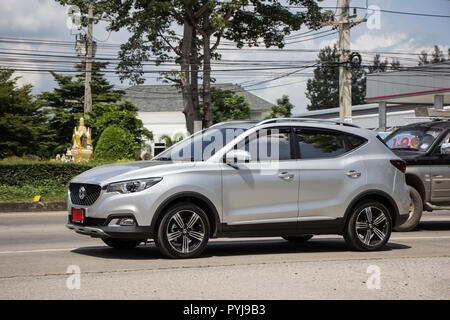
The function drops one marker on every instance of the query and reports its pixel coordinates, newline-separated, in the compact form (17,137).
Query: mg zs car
(292,178)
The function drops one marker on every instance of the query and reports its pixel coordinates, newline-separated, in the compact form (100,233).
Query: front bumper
(120,232)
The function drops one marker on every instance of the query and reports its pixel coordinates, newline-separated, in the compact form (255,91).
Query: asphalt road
(36,251)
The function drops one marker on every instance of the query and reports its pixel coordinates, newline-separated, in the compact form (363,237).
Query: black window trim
(347,144)
(435,150)
(292,138)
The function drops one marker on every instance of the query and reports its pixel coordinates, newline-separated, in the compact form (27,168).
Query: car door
(329,173)
(265,189)
(440,174)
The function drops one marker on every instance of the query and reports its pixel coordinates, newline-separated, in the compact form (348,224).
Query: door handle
(353,174)
(286,176)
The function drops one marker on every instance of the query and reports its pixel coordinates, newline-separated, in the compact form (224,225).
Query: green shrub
(40,173)
(27,193)
(21,179)
(114,143)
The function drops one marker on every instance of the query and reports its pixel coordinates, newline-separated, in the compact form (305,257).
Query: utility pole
(345,75)
(88,77)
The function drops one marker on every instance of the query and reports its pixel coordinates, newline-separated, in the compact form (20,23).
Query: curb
(33,206)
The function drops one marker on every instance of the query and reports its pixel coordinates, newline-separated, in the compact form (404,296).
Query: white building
(393,97)
(161,107)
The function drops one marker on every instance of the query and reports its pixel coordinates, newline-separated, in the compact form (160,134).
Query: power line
(382,10)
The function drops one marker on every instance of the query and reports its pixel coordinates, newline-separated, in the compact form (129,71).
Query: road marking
(70,249)
(42,213)
(416,238)
(40,250)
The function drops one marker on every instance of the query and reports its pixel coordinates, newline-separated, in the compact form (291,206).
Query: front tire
(183,231)
(415,212)
(121,243)
(369,226)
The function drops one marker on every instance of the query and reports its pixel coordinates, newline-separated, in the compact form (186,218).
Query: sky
(47,20)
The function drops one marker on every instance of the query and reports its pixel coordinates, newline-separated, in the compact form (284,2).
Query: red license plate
(77,215)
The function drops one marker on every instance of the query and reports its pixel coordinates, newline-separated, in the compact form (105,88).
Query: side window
(355,141)
(445,140)
(320,144)
(268,145)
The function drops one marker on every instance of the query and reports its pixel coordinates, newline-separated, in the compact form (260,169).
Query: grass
(27,193)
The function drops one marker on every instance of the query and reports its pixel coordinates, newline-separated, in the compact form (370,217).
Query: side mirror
(237,156)
(445,148)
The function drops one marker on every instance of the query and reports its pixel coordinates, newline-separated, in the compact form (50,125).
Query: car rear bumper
(121,232)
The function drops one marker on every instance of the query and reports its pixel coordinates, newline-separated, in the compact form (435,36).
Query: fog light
(125,222)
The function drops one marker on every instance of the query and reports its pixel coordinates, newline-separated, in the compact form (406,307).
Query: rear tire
(415,212)
(121,243)
(369,226)
(183,231)
(298,239)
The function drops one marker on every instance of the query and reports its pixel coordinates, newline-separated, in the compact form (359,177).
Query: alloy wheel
(372,226)
(185,231)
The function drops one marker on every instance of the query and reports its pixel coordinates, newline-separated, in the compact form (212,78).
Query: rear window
(355,141)
(317,145)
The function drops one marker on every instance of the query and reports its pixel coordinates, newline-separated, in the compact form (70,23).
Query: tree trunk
(194,77)
(188,106)
(207,71)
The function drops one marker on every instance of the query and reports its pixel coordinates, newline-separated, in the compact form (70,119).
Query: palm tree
(170,141)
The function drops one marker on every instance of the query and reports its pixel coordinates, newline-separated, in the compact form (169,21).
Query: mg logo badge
(82,193)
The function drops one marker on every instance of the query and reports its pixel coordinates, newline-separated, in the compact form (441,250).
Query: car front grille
(91,194)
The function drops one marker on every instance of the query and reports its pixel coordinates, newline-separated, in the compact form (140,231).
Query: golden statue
(82,144)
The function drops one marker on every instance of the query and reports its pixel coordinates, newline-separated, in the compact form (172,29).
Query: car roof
(444,124)
(296,122)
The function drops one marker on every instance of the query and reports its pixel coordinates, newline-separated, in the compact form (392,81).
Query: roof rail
(233,121)
(348,124)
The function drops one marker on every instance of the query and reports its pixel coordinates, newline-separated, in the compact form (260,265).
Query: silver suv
(293,178)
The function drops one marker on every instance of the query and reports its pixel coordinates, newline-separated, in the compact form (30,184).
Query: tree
(66,102)
(283,108)
(395,64)
(437,55)
(378,65)
(123,115)
(233,20)
(323,90)
(114,144)
(152,25)
(423,58)
(23,124)
(170,141)
(226,105)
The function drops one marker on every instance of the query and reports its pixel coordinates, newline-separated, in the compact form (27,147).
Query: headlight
(130,186)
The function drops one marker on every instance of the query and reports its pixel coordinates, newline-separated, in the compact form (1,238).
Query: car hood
(409,156)
(127,170)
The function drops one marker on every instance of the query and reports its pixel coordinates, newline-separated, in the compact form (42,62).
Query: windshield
(201,146)
(416,139)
